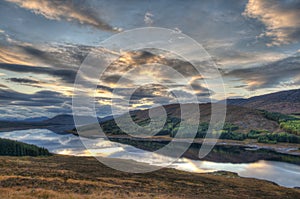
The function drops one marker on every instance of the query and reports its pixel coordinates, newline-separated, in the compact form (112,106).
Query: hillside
(287,102)
(83,177)
(240,120)
(245,118)
(242,124)
(15,148)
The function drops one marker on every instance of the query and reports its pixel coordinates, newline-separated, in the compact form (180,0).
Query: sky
(254,44)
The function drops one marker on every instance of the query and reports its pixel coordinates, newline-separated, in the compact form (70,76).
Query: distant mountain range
(36,119)
(57,124)
(31,119)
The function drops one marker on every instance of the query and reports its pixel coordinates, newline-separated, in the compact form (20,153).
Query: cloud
(115,78)
(44,103)
(151,91)
(57,55)
(148,18)
(230,58)
(3,86)
(280,17)
(145,95)
(23,80)
(69,10)
(66,75)
(13,56)
(25,112)
(200,90)
(41,98)
(26,81)
(132,60)
(279,73)
(60,56)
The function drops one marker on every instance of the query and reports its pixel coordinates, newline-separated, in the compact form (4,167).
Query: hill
(286,102)
(238,119)
(241,123)
(15,148)
(245,118)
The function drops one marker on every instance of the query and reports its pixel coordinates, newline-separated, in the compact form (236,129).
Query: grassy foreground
(84,177)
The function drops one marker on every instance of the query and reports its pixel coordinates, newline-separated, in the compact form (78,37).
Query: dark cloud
(115,79)
(60,56)
(23,80)
(43,103)
(66,75)
(199,88)
(151,91)
(104,88)
(270,75)
(39,99)
(7,95)
(182,94)
(239,86)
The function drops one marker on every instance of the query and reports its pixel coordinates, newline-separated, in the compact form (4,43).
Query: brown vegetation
(82,177)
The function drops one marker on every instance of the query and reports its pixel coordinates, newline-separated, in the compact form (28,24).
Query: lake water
(282,173)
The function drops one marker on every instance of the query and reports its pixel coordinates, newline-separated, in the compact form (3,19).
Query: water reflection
(284,174)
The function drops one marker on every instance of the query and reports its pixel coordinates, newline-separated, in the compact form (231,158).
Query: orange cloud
(281,19)
(57,10)
(13,57)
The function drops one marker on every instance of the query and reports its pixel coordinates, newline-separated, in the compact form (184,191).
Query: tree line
(15,148)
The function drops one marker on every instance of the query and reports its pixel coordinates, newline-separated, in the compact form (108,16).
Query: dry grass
(81,177)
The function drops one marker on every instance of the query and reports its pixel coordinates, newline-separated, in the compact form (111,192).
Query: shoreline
(284,148)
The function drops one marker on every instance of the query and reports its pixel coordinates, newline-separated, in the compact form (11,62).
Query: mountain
(31,119)
(36,119)
(69,120)
(286,102)
(57,124)
(60,120)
